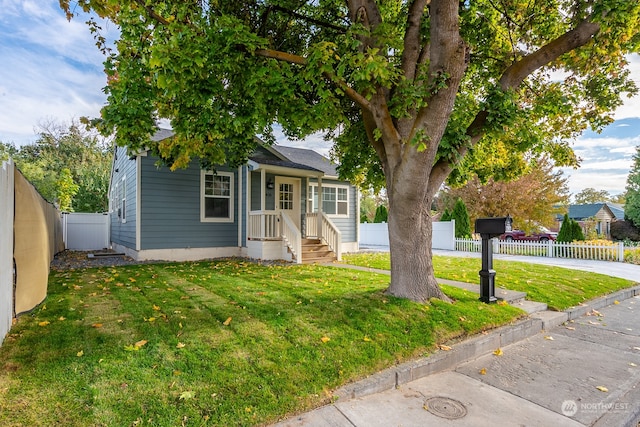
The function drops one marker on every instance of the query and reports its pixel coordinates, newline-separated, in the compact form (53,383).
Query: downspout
(239,206)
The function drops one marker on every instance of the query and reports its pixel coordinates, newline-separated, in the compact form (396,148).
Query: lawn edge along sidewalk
(472,347)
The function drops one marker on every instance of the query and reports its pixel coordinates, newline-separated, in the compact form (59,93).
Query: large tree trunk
(410,232)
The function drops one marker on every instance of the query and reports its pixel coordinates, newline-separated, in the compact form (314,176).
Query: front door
(288,198)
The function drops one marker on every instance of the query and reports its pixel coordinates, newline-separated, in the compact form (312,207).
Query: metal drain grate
(445,407)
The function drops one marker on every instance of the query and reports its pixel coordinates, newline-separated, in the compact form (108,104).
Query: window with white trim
(335,199)
(123,199)
(216,204)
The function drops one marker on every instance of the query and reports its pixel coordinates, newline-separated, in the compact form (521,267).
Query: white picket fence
(549,249)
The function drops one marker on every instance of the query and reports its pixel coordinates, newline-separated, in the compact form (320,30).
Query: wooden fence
(576,250)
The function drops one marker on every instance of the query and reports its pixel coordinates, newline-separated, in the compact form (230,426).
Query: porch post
(319,217)
(263,202)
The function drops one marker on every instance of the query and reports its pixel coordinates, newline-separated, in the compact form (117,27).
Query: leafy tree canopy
(532,200)
(411,91)
(68,165)
(591,195)
(632,202)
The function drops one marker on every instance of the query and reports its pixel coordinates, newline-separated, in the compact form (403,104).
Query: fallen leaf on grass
(444,347)
(227,322)
(498,352)
(602,388)
(325,339)
(45,323)
(483,371)
(80,353)
(366,338)
(140,343)
(180,345)
(185,395)
(156,308)
(97,325)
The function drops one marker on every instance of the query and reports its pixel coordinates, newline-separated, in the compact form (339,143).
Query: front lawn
(213,343)
(559,287)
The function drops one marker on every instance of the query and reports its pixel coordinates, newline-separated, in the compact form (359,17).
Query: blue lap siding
(170,210)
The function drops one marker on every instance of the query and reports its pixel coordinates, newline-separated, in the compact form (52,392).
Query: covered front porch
(284,220)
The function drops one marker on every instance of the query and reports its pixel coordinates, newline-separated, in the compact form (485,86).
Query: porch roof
(284,166)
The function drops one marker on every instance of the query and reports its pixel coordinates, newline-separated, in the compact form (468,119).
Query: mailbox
(493,227)
(488,228)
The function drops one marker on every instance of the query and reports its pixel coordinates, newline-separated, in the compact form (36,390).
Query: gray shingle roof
(307,157)
(296,158)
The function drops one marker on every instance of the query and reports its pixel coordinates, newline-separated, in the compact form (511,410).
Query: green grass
(295,334)
(559,287)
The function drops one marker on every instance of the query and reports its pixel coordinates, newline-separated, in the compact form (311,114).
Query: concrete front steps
(316,252)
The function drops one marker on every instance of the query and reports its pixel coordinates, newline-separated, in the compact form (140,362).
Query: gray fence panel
(6,247)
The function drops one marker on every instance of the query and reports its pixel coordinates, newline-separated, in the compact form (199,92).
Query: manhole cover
(444,407)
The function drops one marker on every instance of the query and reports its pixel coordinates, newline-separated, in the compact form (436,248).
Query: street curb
(604,301)
(472,348)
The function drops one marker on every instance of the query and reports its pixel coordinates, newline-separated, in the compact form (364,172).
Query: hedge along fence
(34,236)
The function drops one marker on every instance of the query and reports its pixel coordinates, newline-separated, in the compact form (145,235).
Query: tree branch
(411,52)
(573,39)
(300,60)
(513,76)
(152,12)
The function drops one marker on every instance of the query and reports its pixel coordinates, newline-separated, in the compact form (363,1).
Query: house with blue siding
(285,204)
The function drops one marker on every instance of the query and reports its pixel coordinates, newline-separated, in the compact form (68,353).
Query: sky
(51,70)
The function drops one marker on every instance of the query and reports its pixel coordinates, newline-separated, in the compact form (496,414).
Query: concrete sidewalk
(575,368)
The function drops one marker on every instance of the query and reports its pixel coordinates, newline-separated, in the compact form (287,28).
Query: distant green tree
(591,195)
(85,155)
(461,216)
(576,231)
(564,235)
(446,215)
(632,202)
(570,231)
(382,215)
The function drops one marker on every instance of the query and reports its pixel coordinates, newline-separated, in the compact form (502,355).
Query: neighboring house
(600,215)
(285,203)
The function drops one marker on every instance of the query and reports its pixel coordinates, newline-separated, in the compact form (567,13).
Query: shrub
(621,230)
(382,214)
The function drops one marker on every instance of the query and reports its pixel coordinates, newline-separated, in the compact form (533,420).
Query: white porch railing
(551,249)
(292,237)
(329,233)
(264,225)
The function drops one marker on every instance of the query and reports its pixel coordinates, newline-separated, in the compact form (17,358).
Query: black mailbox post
(488,228)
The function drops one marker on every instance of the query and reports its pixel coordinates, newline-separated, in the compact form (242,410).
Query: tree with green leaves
(461,216)
(632,201)
(446,215)
(413,92)
(591,195)
(68,165)
(382,215)
(570,230)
